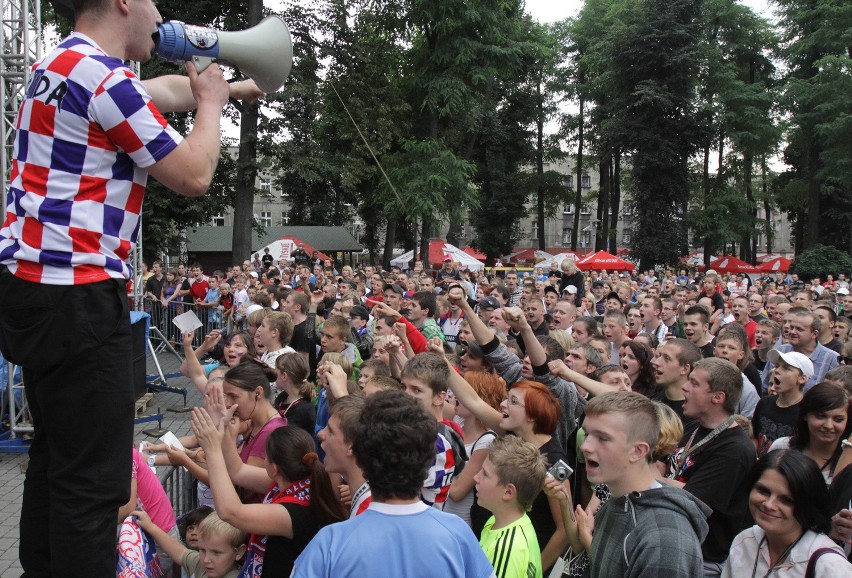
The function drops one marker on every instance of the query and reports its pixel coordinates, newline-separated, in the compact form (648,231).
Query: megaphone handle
(201,63)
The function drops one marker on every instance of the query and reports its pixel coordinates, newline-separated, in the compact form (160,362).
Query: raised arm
(188,169)
(166,543)
(558,368)
(265,519)
(467,395)
(172,92)
(481,332)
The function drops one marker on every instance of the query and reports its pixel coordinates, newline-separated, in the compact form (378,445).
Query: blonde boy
(776,415)
(220,547)
(510,479)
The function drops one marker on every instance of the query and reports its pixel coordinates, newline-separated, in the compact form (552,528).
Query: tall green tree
(653,68)
(817,50)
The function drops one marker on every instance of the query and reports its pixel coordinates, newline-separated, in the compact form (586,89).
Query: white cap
(843,291)
(570,289)
(252,308)
(798,360)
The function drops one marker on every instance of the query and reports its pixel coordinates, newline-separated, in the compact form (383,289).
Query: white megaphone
(264,52)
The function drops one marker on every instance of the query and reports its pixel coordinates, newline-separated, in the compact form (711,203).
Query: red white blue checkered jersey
(86,131)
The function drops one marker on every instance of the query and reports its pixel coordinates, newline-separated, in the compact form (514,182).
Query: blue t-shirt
(425,541)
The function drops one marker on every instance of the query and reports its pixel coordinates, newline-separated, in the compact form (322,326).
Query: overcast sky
(553,10)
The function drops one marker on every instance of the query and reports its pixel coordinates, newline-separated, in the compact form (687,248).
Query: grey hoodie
(653,533)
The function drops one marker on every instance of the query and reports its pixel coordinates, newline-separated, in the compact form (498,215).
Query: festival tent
(531,256)
(437,250)
(555,262)
(284,247)
(731,265)
(602,260)
(475,253)
(777,265)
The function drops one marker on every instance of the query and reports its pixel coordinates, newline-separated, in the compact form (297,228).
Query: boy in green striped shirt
(510,479)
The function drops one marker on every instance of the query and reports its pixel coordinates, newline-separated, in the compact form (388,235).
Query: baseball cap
(613,295)
(843,291)
(393,287)
(691,287)
(551,289)
(489,303)
(252,308)
(472,347)
(570,289)
(447,258)
(360,311)
(793,359)
(597,284)
(253,274)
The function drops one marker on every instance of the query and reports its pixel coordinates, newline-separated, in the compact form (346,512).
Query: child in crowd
(732,345)
(381,383)
(220,547)
(275,332)
(226,302)
(296,392)
(210,304)
(765,339)
(372,368)
(506,485)
(426,378)
(188,524)
(335,339)
(776,415)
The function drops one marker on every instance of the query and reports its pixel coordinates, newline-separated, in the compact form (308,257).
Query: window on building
(587,238)
(585,209)
(567,209)
(586,182)
(284,218)
(566,236)
(534,231)
(629,208)
(266,218)
(626,236)
(219,220)
(569,183)
(265,187)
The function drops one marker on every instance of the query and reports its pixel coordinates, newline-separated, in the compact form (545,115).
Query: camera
(560,470)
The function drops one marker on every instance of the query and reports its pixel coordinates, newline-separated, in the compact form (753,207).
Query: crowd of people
(599,424)
(392,423)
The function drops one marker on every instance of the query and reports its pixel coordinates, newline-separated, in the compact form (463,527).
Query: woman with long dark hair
(789,504)
(823,424)
(300,498)
(636,362)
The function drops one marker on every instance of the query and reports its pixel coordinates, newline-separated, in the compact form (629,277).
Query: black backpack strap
(810,571)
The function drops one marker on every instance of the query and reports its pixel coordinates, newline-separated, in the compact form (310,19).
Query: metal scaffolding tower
(21,38)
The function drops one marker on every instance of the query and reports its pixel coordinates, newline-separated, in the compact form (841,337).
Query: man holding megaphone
(88,135)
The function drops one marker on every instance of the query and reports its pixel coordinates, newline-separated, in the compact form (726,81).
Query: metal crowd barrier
(162,317)
(180,488)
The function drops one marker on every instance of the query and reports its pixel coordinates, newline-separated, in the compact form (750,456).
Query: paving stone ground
(12,465)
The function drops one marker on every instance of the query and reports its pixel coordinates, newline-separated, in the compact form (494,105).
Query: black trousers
(73,345)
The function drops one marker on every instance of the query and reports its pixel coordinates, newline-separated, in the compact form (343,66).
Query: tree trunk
(767,206)
(814,195)
(616,201)
(246,167)
(390,241)
(539,166)
(604,169)
(578,196)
